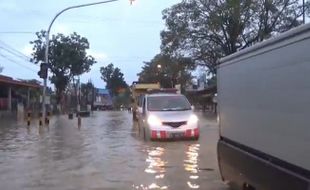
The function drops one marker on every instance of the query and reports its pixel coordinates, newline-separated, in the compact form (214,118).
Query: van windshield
(168,103)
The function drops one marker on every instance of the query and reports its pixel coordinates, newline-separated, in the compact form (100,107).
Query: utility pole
(79,95)
(303,12)
(47,45)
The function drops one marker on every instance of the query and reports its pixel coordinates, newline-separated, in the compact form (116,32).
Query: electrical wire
(13,61)
(12,50)
(16,32)
(15,54)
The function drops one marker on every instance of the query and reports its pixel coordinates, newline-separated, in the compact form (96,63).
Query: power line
(88,18)
(147,24)
(13,49)
(15,54)
(16,32)
(13,61)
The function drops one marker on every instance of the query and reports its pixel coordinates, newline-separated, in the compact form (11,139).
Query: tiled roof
(9,80)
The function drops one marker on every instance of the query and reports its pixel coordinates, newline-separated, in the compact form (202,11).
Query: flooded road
(107,152)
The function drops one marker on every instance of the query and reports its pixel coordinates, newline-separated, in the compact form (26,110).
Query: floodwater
(106,152)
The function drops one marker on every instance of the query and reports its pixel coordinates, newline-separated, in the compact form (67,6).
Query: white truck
(264,114)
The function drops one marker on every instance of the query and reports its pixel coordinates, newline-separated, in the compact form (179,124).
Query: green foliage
(211,81)
(115,82)
(87,90)
(67,57)
(122,98)
(172,71)
(114,79)
(208,30)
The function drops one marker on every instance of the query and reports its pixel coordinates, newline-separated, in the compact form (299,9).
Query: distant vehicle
(103,100)
(263,99)
(138,90)
(168,116)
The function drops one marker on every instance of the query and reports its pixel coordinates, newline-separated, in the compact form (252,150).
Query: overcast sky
(123,34)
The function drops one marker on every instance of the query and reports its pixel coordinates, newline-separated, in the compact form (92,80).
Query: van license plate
(177,135)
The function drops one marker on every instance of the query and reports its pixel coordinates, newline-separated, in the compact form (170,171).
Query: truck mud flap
(240,168)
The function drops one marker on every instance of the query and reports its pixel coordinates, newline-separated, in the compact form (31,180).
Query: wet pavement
(106,152)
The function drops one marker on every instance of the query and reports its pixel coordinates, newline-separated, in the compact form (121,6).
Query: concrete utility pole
(47,44)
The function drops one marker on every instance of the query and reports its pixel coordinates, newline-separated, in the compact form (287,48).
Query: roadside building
(103,99)
(14,93)
(203,96)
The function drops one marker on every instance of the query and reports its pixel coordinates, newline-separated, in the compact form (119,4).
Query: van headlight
(153,120)
(193,119)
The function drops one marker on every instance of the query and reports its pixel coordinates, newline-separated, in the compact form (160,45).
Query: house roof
(102,91)
(9,80)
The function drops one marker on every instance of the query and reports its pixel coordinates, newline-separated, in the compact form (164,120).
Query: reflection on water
(105,153)
(194,177)
(191,165)
(155,186)
(191,161)
(161,176)
(192,186)
(156,164)
(101,155)
(156,167)
(152,186)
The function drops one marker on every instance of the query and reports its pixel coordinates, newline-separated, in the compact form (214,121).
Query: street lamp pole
(47,45)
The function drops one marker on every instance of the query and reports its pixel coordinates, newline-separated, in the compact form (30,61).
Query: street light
(158,68)
(47,44)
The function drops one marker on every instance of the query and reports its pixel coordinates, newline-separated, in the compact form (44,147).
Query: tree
(167,70)
(114,79)
(67,58)
(123,98)
(87,90)
(208,30)
(1,69)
